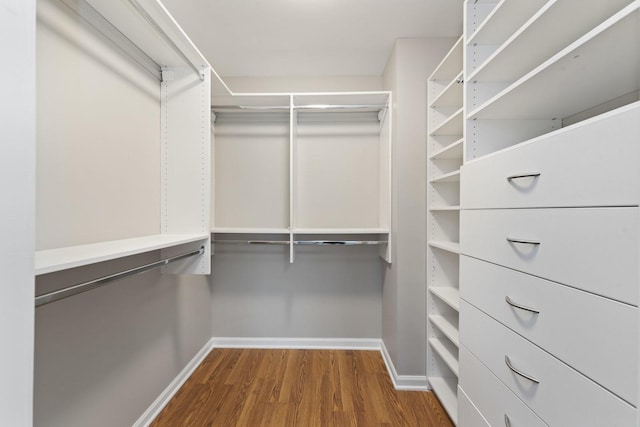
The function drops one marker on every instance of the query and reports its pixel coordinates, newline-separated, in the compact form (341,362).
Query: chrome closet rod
(303,242)
(96,283)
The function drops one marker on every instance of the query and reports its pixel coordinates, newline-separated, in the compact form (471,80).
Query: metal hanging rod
(299,107)
(96,283)
(303,242)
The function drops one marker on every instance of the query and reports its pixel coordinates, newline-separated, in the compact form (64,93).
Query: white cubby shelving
(445,153)
(117,179)
(313,164)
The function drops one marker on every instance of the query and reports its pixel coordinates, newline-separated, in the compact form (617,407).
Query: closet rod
(143,13)
(303,242)
(96,283)
(87,12)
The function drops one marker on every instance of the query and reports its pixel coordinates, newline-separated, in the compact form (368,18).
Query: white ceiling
(309,37)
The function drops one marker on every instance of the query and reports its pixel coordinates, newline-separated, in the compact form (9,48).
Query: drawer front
(572,325)
(489,397)
(562,397)
(607,176)
(594,249)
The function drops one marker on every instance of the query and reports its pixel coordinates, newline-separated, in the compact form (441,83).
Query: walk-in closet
(279,213)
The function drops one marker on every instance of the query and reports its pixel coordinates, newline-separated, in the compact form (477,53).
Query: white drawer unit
(558,394)
(494,402)
(547,172)
(468,414)
(561,320)
(594,249)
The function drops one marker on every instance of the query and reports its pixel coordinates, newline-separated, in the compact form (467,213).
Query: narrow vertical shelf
(445,153)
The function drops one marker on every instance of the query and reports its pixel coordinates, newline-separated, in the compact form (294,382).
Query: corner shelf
(452,247)
(447,294)
(449,357)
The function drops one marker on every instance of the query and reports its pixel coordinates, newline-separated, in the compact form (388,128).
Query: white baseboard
(403,382)
(299,343)
(156,407)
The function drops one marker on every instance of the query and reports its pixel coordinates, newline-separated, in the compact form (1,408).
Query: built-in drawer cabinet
(558,394)
(561,320)
(549,171)
(594,249)
(493,401)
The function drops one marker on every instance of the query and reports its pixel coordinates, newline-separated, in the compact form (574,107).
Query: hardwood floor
(241,387)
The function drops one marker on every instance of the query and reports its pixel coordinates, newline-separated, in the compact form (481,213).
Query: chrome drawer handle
(520,306)
(524,175)
(516,371)
(527,242)
(507,421)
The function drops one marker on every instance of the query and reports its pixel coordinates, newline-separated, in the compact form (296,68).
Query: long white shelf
(249,230)
(447,294)
(451,151)
(446,246)
(503,21)
(52,260)
(579,75)
(541,37)
(340,230)
(450,65)
(444,208)
(447,327)
(449,358)
(446,389)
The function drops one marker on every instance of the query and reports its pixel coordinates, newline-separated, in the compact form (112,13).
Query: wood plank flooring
(301,388)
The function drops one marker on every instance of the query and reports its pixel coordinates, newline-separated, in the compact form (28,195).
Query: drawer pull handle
(527,242)
(516,371)
(524,175)
(507,421)
(520,306)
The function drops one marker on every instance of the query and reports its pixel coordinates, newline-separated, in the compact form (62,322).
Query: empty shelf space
(52,260)
(448,177)
(451,126)
(447,356)
(451,151)
(447,246)
(451,95)
(341,231)
(449,295)
(447,326)
(450,65)
(249,230)
(504,20)
(446,391)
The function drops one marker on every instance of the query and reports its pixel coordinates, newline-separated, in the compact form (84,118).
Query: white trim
(403,382)
(299,343)
(158,405)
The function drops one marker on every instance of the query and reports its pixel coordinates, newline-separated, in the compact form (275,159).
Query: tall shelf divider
(444,158)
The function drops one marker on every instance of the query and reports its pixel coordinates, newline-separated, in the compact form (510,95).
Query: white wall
(17,186)
(102,357)
(404,286)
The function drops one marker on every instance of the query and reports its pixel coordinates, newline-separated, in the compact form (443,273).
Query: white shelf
(450,65)
(451,151)
(341,231)
(447,294)
(453,247)
(444,208)
(451,126)
(503,21)
(579,75)
(541,37)
(52,260)
(447,327)
(451,95)
(447,177)
(445,389)
(249,230)
(450,359)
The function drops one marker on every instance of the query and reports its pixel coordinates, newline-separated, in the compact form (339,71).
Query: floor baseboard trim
(402,382)
(299,343)
(156,407)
